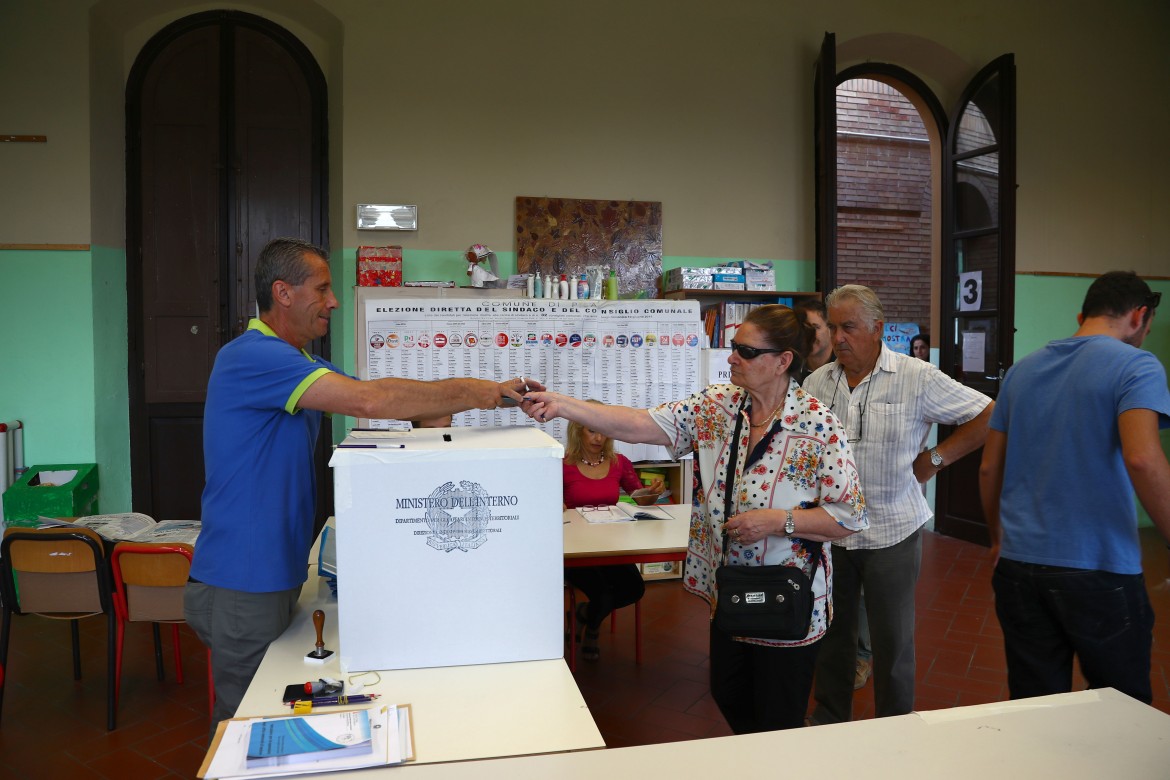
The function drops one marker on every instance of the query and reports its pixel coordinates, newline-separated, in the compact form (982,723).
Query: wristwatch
(789,523)
(936,458)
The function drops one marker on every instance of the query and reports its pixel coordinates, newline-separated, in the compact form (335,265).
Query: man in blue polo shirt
(1073,435)
(265,400)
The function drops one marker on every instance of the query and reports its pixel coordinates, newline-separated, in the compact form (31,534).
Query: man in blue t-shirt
(265,400)
(1073,435)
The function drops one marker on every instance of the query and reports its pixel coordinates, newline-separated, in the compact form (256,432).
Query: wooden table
(637,541)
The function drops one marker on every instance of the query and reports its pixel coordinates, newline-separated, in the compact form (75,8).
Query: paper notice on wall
(630,353)
(974,351)
(970,291)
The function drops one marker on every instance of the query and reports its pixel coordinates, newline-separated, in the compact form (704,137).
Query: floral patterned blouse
(803,461)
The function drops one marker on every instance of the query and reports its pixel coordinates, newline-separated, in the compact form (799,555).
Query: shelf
(736,295)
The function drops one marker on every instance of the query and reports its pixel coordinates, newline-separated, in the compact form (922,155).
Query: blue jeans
(1050,613)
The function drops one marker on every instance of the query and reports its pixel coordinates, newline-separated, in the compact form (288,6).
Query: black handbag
(765,602)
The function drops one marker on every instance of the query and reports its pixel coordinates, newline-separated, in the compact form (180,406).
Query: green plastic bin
(53,490)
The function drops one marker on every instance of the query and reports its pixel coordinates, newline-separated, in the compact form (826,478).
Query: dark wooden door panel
(177,473)
(226,113)
(979,217)
(274,158)
(180,186)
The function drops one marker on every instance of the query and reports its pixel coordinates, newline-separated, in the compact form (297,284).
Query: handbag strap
(729,479)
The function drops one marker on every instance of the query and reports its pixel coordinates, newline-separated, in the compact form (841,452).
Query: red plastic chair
(149,580)
(571,592)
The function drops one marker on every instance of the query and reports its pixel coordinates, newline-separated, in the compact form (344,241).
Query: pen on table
(371,446)
(329,701)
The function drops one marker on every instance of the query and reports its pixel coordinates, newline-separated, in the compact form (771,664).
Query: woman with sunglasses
(793,482)
(593,476)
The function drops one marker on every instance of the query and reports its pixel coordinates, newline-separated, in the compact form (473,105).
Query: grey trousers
(238,627)
(888,576)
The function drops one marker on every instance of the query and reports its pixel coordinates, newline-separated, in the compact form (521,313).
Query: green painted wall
(111,395)
(48,376)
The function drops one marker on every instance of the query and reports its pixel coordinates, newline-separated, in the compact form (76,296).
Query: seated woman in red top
(593,474)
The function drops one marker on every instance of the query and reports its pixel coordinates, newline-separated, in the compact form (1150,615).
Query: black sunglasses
(751,353)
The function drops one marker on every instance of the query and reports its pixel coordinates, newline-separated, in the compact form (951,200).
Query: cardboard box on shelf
(715,278)
(667,570)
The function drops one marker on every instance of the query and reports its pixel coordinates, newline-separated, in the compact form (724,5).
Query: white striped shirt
(888,418)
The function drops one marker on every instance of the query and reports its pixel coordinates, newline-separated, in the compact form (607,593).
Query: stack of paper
(133,527)
(306,744)
(622,513)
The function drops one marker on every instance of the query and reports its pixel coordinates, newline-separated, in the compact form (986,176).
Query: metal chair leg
(76,649)
(158,665)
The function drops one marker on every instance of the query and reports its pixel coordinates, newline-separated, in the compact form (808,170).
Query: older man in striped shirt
(887,402)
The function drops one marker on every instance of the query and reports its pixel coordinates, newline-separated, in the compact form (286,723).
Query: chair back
(149,580)
(54,572)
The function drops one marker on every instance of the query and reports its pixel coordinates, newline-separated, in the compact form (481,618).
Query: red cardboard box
(379,266)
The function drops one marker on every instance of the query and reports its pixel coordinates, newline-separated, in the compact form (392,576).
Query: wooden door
(978,273)
(825,144)
(226,141)
(978,208)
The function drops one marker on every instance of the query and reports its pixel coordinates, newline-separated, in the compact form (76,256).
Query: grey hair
(283,259)
(871,305)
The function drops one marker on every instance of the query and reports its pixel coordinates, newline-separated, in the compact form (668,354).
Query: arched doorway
(973,237)
(226,129)
(889,129)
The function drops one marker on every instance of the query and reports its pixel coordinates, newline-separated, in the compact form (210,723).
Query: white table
(637,541)
(1087,734)
(459,713)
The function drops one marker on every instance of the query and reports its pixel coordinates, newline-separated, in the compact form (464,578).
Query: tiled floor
(55,728)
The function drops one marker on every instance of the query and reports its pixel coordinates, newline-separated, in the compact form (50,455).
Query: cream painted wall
(44,91)
(707,107)
(460,107)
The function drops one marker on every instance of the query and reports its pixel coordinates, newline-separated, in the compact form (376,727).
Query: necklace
(593,462)
(771,417)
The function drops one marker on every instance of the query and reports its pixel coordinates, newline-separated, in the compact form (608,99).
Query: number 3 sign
(970,291)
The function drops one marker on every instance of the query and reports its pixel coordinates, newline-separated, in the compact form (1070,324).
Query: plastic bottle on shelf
(530,286)
(548,286)
(583,287)
(611,286)
(538,287)
(572,283)
(596,284)
(563,288)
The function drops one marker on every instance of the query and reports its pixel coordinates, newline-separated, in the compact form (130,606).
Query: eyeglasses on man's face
(1153,300)
(751,353)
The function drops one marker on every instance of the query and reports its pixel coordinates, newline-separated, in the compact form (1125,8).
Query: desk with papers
(636,541)
(458,713)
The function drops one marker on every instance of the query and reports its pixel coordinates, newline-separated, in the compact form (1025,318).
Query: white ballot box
(449,547)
